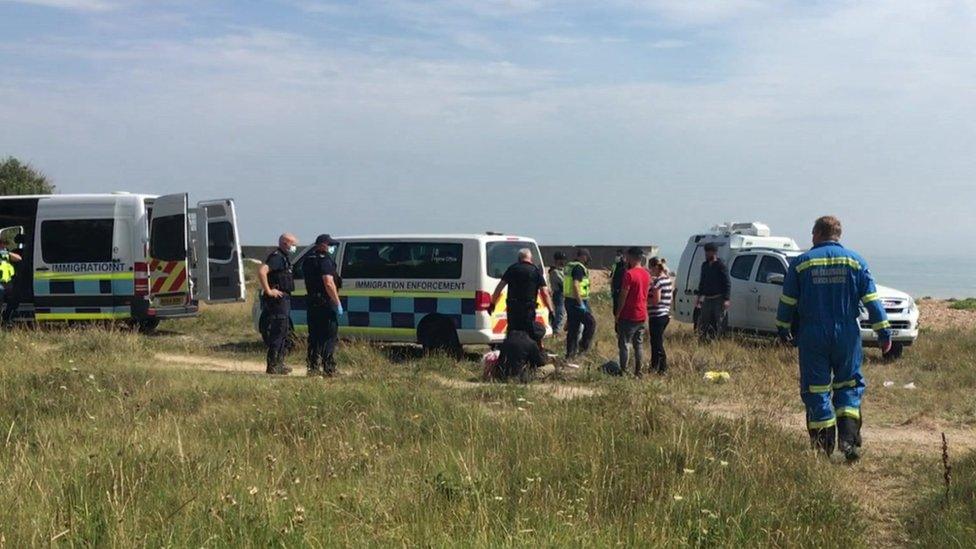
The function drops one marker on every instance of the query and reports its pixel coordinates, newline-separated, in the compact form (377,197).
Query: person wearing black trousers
(659,311)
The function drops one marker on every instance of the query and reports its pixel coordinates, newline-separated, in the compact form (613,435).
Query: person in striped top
(659,311)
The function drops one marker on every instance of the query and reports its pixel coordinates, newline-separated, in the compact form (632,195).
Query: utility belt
(711,297)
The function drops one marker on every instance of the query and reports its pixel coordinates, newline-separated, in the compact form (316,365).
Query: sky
(613,121)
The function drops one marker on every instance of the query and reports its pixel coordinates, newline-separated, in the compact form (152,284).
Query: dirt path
(883,482)
(554,390)
(214,364)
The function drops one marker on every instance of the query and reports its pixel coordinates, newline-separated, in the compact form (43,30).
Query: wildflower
(678,498)
(723,463)
(252,490)
(499,498)
(689,471)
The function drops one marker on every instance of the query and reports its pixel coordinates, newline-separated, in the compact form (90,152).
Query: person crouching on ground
(520,355)
(631,313)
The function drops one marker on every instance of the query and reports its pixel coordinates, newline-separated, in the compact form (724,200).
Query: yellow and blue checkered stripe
(393,313)
(83,296)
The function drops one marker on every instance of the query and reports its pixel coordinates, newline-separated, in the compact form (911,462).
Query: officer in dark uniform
(520,353)
(277,284)
(526,285)
(324,307)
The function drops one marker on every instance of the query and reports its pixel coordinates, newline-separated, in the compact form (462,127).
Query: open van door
(219,267)
(169,283)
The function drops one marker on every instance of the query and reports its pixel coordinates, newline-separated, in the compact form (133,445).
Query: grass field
(108,438)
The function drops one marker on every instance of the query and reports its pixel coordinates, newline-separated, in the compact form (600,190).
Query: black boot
(276,364)
(823,439)
(849,433)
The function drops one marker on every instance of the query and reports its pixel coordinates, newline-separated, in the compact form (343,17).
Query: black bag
(611,368)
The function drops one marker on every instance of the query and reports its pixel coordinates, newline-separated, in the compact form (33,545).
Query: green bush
(968,304)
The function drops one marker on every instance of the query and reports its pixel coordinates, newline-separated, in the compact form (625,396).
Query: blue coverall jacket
(823,291)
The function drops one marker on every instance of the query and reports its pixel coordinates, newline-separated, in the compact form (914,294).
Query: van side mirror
(775,278)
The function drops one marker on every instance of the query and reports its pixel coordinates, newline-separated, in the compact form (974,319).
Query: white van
(127,257)
(757,264)
(428,289)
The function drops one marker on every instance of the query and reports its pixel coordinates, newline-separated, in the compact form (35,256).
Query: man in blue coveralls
(823,291)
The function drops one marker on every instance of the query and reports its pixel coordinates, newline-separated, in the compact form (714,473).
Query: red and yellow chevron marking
(499,319)
(167,276)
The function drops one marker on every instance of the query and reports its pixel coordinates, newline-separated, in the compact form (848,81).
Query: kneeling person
(521,354)
(324,308)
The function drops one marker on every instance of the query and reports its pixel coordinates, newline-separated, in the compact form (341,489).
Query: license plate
(171,300)
(895,333)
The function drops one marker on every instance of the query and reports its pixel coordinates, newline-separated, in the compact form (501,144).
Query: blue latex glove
(585,307)
(339,311)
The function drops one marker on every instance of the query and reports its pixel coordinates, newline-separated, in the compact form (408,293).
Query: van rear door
(169,284)
(219,270)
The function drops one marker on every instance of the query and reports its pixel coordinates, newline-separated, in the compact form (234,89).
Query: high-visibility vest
(568,281)
(6,271)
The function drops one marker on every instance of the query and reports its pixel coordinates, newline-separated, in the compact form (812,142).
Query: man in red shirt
(631,313)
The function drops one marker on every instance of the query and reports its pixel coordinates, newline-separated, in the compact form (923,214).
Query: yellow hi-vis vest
(6,270)
(568,281)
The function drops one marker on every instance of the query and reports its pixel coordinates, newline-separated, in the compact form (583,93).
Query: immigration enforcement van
(757,263)
(120,257)
(434,290)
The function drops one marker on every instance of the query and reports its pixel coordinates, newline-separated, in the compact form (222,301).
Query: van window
(501,255)
(297,267)
(742,267)
(168,238)
(77,240)
(441,260)
(769,266)
(220,240)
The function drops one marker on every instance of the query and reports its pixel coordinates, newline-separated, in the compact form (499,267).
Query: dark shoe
(849,435)
(279,370)
(852,453)
(823,439)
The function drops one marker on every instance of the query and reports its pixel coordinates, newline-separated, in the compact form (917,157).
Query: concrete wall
(602,256)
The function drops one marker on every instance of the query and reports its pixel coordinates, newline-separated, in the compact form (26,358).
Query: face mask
(292,249)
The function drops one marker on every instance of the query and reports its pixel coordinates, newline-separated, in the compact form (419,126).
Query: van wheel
(436,333)
(147,325)
(895,353)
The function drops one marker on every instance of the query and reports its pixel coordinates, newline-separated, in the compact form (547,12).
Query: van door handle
(42,269)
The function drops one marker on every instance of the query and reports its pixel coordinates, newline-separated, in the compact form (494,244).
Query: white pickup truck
(757,263)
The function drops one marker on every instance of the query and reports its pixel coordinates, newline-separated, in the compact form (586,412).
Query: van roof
(436,236)
(81,196)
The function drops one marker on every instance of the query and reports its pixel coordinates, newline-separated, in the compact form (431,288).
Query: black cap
(710,247)
(559,256)
(324,239)
(583,252)
(634,251)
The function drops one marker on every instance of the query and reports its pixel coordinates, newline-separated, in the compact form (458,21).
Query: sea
(920,275)
(936,276)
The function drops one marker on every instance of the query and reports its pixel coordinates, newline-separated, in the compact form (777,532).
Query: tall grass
(100,447)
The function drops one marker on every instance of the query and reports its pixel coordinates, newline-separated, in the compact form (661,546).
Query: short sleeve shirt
(314,268)
(524,281)
(637,282)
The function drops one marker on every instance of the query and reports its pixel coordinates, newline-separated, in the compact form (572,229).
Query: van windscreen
(502,254)
(410,260)
(168,238)
(77,240)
